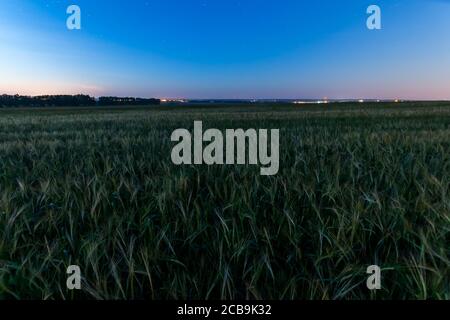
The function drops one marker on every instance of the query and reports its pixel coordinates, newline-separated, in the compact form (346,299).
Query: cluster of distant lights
(327,101)
(173,100)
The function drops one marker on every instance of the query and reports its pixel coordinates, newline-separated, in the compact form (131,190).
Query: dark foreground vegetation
(71,101)
(358,185)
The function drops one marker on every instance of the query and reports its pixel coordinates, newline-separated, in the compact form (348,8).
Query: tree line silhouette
(79,100)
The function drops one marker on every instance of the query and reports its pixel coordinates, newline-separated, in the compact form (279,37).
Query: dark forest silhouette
(79,100)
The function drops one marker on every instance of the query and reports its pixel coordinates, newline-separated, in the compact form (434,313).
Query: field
(359,184)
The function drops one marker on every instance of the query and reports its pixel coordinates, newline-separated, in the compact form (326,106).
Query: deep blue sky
(227,49)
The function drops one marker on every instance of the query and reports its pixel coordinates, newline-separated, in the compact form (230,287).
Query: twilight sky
(227,49)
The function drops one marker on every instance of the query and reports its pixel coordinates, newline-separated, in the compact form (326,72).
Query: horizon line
(185,99)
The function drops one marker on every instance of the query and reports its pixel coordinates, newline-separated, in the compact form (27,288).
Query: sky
(234,49)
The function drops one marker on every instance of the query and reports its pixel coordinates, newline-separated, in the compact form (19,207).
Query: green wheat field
(359,184)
